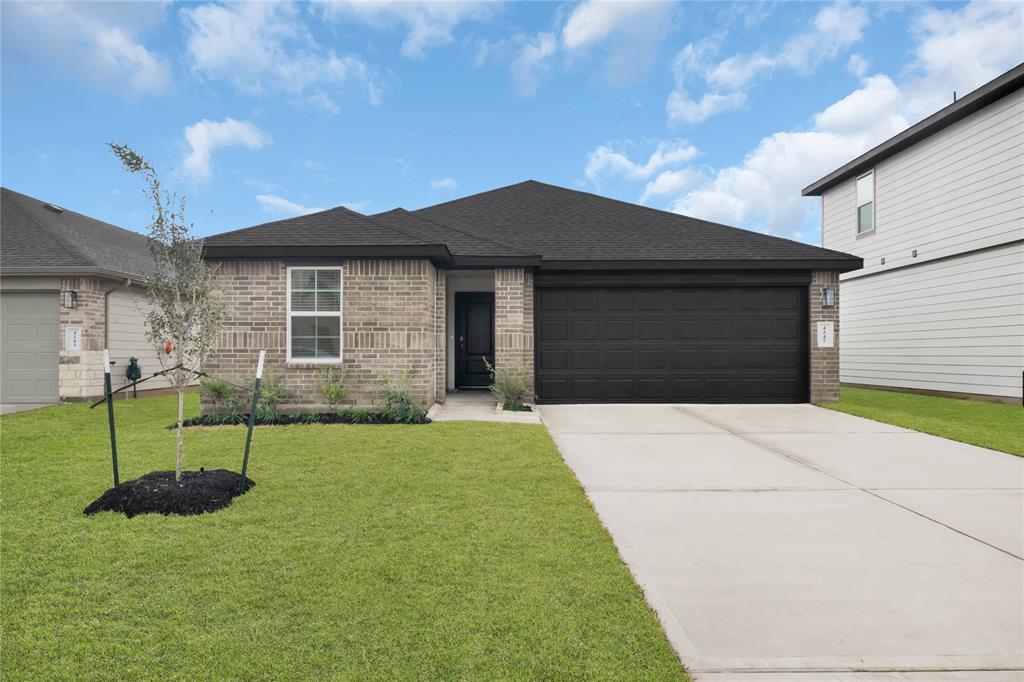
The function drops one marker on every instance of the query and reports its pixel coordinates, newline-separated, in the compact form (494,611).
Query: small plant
(271,396)
(331,381)
(360,415)
(222,396)
(399,406)
(508,384)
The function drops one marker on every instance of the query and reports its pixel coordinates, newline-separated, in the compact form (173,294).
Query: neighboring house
(596,300)
(69,287)
(937,213)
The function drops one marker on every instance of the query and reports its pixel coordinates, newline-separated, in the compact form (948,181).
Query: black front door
(474,338)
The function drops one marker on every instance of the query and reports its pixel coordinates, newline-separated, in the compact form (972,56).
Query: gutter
(72,271)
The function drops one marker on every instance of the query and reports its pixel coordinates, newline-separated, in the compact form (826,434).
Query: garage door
(29,347)
(674,344)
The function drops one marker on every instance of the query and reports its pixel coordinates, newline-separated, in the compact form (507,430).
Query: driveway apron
(790,542)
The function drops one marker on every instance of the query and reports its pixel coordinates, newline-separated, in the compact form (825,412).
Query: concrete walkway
(795,543)
(477,406)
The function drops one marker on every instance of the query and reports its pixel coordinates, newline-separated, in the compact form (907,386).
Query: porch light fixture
(828,297)
(70,299)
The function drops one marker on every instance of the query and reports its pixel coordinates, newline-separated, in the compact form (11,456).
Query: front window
(866,203)
(314,314)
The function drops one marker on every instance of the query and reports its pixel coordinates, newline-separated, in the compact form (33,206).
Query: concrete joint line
(808,465)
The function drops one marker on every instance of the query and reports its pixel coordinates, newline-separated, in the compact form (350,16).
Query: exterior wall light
(828,297)
(70,299)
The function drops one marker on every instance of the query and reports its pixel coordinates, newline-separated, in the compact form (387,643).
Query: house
(596,300)
(937,213)
(69,287)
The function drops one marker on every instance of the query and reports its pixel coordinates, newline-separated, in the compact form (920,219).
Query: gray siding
(126,337)
(958,190)
(953,320)
(952,325)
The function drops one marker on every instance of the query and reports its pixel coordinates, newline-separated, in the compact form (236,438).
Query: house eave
(829,264)
(69,271)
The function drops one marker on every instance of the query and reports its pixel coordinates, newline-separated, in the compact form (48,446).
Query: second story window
(866,203)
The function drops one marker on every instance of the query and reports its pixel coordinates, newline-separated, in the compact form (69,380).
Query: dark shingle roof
(35,237)
(333,227)
(529,222)
(567,225)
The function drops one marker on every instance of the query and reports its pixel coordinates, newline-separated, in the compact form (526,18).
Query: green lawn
(447,551)
(990,425)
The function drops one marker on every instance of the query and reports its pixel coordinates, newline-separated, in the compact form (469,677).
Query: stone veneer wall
(81,371)
(390,323)
(824,361)
(513,321)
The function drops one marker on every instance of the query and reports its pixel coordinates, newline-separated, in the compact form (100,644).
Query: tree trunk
(181,430)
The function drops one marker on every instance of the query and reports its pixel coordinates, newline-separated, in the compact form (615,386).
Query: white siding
(952,325)
(958,190)
(126,337)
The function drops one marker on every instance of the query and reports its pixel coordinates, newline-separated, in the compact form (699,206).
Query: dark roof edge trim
(992,91)
(831,264)
(435,252)
(438,253)
(69,271)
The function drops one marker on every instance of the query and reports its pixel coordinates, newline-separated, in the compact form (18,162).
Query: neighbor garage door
(671,344)
(29,347)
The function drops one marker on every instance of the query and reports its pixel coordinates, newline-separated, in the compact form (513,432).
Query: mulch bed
(342,417)
(157,492)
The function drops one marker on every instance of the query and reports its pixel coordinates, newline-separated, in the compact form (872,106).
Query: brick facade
(81,371)
(824,361)
(513,321)
(392,320)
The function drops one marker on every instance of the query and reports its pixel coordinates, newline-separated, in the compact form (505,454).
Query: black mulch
(157,492)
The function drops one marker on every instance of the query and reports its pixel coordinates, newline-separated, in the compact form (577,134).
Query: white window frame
(315,313)
(874,202)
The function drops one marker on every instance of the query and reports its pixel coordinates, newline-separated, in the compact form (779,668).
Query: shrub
(508,384)
(331,381)
(360,415)
(222,396)
(399,406)
(271,396)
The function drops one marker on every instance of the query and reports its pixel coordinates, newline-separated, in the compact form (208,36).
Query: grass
(991,425)
(446,551)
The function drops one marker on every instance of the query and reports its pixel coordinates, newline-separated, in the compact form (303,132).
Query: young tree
(186,312)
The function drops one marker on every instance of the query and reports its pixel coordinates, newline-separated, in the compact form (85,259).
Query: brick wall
(513,321)
(81,371)
(390,323)
(824,361)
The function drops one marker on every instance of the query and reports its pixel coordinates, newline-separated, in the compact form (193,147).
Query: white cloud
(630,31)
(531,63)
(606,161)
(266,47)
(954,48)
(446,184)
(430,24)
(271,203)
(670,183)
(207,136)
(595,20)
(834,29)
(99,41)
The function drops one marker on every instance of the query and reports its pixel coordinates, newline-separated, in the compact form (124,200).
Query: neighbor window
(314,314)
(866,203)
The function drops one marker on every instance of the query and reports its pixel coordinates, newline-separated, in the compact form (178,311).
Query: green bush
(399,406)
(331,381)
(270,398)
(508,384)
(222,396)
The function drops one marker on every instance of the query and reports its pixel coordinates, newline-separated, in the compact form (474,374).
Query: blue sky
(261,111)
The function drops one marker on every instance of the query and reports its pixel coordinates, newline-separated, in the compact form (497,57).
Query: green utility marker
(110,413)
(252,419)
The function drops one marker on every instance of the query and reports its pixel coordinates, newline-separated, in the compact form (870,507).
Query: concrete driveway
(790,542)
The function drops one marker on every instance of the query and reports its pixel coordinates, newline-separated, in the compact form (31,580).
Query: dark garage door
(673,344)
